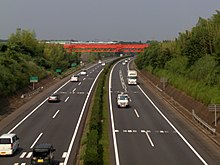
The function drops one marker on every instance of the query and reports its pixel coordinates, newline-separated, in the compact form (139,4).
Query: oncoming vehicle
(43,154)
(9,143)
(54,98)
(103,64)
(74,78)
(83,72)
(123,100)
(123,63)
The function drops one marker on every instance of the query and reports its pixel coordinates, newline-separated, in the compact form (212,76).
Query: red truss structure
(106,47)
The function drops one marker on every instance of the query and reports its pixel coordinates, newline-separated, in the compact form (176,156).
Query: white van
(9,143)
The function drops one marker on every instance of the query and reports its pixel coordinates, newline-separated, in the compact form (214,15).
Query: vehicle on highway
(132,77)
(43,154)
(103,64)
(126,60)
(123,63)
(74,78)
(100,61)
(122,100)
(54,98)
(83,72)
(9,143)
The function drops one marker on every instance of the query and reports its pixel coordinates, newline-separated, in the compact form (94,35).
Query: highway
(146,132)
(56,123)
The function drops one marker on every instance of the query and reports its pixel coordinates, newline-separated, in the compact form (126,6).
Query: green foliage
(191,62)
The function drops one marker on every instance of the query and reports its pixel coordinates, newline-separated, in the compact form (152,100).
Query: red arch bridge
(106,47)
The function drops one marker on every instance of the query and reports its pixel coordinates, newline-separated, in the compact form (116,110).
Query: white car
(103,64)
(74,78)
(83,72)
(122,100)
(126,61)
(100,61)
(123,63)
(9,143)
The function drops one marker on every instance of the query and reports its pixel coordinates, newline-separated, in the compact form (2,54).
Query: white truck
(132,77)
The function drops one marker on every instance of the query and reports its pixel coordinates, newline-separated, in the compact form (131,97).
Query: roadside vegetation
(191,62)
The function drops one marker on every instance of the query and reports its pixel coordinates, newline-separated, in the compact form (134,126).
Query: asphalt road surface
(54,123)
(147,133)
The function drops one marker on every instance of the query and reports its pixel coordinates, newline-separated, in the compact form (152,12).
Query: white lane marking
(23,155)
(125,130)
(116,130)
(67,99)
(74,90)
(64,155)
(84,78)
(129,131)
(143,131)
(175,129)
(35,109)
(16,163)
(36,140)
(23,163)
(79,120)
(80,83)
(135,131)
(112,117)
(29,155)
(56,113)
(61,163)
(136,113)
(148,136)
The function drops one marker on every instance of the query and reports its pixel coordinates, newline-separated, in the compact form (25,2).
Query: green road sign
(58,70)
(33,79)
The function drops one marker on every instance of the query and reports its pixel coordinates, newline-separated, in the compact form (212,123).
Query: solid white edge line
(34,110)
(112,118)
(56,113)
(136,113)
(148,136)
(79,121)
(36,140)
(181,136)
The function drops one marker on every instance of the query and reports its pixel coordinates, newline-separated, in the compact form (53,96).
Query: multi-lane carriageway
(148,133)
(56,123)
(144,133)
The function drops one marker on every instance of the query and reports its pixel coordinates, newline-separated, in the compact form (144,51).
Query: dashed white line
(148,136)
(56,113)
(116,130)
(16,163)
(67,99)
(23,155)
(80,83)
(84,78)
(136,113)
(64,155)
(74,90)
(29,155)
(36,140)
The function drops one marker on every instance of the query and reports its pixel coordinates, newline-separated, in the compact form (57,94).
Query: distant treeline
(23,56)
(191,62)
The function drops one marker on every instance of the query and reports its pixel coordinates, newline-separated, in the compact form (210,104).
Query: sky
(104,20)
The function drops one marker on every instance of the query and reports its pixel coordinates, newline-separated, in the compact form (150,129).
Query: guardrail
(207,126)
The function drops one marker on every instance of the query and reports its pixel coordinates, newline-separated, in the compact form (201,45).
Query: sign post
(214,108)
(33,79)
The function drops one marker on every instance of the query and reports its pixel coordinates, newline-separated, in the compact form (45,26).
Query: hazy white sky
(104,20)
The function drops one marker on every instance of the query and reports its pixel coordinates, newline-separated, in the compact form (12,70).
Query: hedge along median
(95,141)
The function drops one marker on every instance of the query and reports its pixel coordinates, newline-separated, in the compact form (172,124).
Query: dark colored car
(54,98)
(43,154)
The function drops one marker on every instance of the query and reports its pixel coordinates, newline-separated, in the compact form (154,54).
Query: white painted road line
(16,163)
(84,78)
(148,136)
(175,129)
(67,99)
(64,155)
(29,155)
(136,113)
(74,90)
(36,140)
(80,83)
(23,155)
(79,120)
(56,113)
